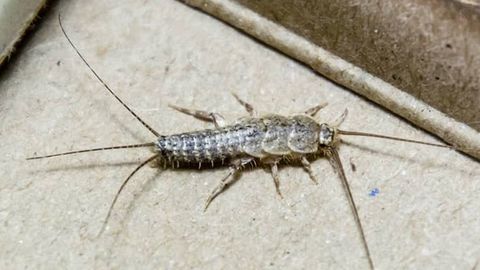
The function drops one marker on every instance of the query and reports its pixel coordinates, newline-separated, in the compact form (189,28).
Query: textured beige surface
(347,74)
(159,52)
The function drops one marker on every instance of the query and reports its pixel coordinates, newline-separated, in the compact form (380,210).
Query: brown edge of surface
(333,67)
(10,48)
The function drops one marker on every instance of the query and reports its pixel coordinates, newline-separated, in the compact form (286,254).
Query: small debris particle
(374,192)
(353,166)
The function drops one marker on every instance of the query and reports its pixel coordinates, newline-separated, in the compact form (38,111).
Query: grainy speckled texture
(159,52)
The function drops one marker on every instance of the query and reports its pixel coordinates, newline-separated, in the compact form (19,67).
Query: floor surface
(155,53)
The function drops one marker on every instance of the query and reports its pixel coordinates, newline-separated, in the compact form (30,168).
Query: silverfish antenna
(102,82)
(94,150)
(364,134)
(337,164)
(114,95)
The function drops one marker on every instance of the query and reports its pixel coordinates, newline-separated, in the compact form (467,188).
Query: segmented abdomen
(211,144)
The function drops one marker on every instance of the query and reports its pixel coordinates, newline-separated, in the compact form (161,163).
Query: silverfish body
(271,136)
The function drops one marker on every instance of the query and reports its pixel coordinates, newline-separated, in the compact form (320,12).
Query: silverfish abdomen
(210,144)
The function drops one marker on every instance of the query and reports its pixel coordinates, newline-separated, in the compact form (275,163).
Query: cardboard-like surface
(159,52)
(429,49)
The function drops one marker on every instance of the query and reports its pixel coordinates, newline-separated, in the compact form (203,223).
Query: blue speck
(374,192)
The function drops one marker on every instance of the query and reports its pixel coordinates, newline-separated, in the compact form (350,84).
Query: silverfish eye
(325,136)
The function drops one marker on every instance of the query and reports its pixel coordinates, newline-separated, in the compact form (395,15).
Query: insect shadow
(266,140)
